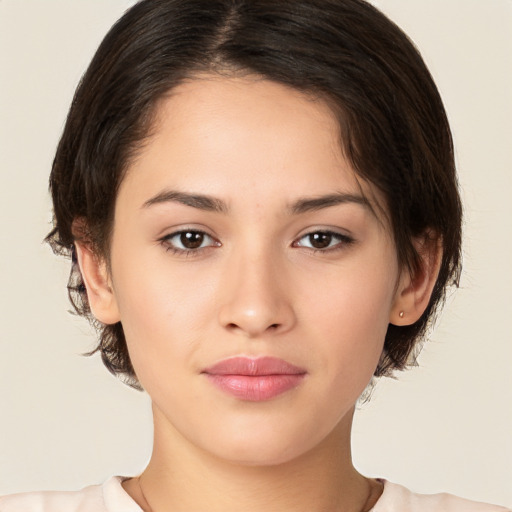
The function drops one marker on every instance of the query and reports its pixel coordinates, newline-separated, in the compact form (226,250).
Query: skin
(256,286)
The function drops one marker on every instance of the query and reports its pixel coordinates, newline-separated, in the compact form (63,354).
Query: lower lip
(256,388)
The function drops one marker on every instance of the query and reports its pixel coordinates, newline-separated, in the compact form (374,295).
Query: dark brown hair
(393,124)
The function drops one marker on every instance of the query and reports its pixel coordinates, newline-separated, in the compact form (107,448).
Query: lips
(255,379)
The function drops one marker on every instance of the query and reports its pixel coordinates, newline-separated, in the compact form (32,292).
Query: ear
(414,290)
(98,284)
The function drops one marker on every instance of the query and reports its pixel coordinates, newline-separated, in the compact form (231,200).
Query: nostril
(234,326)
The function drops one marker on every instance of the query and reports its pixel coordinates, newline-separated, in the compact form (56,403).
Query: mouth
(255,380)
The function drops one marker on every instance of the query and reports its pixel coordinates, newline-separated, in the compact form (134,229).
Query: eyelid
(170,247)
(344,240)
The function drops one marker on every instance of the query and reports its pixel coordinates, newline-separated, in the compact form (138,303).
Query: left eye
(322,240)
(189,240)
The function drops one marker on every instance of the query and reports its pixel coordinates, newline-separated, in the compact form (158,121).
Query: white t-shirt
(111,497)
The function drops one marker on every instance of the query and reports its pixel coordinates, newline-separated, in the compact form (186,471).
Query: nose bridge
(256,298)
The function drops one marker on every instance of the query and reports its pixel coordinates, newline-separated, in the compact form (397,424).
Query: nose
(256,297)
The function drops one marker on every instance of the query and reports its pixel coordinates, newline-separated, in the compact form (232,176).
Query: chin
(261,456)
(265,445)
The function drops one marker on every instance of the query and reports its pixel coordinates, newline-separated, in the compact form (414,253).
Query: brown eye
(320,240)
(191,239)
(188,241)
(323,241)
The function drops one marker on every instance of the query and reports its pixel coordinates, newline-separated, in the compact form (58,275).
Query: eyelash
(166,241)
(342,241)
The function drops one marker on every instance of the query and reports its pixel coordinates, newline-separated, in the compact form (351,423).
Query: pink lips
(255,379)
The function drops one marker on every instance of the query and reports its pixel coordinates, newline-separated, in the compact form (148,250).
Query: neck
(180,476)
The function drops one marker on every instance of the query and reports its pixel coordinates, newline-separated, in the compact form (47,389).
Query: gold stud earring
(401,314)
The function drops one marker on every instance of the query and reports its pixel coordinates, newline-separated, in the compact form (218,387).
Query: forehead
(244,136)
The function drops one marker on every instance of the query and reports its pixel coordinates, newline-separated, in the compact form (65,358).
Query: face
(253,279)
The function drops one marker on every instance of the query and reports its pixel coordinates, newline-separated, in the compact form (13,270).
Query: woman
(261,205)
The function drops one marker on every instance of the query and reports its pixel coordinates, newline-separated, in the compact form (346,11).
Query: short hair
(394,129)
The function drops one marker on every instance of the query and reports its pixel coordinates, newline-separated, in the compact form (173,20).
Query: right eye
(187,241)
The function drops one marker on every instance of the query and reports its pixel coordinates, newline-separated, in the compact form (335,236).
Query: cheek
(163,313)
(350,319)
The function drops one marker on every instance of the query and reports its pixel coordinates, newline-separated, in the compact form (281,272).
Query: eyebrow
(308,204)
(202,202)
(213,204)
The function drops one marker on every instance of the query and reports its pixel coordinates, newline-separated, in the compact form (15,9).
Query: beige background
(65,422)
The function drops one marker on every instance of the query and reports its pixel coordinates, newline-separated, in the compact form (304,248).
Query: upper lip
(254,367)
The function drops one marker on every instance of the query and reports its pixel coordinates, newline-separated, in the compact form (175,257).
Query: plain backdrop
(65,422)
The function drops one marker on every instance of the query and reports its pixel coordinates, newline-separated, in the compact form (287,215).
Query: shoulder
(397,498)
(109,497)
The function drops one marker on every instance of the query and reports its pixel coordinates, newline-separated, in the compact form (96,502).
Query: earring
(401,314)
